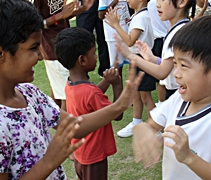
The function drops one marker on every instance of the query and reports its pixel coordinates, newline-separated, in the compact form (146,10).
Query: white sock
(136,121)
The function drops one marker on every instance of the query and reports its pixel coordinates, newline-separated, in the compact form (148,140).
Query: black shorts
(157,48)
(148,82)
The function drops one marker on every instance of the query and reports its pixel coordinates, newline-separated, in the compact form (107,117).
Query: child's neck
(196,107)
(76,75)
(176,19)
(140,6)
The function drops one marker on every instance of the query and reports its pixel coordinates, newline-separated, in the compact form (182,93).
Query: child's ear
(182,3)
(82,60)
(1,55)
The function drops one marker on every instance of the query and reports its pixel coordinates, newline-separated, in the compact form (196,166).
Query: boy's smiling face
(20,67)
(195,85)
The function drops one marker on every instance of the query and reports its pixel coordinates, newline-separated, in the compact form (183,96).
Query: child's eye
(34,48)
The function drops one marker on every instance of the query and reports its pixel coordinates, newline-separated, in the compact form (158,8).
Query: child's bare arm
(70,10)
(108,77)
(66,12)
(91,121)
(158,71)
(145,51)
(113,77)
(58,150)
(101,14)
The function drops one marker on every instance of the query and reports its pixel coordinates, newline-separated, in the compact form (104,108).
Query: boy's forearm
(103,85)
(199,166)
(160,72)
(124,35)
(91,121)
(117,90)
(105,115)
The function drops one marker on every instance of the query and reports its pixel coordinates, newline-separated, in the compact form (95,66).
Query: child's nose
(177,73)
(40,55)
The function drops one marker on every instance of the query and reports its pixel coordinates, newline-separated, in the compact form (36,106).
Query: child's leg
(147,101)
(137,106)
(137,117)
(57,76)
(161,92)
(113,54)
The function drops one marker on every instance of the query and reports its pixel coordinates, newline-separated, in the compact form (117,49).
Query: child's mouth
(182,89)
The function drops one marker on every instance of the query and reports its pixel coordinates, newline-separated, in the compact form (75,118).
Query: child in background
(160,29)
(26,114)
(76,51)
(123,11)
(139,28)
(186,116)
(162,68)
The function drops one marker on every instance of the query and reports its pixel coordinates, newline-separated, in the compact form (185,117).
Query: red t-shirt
(85,98)
(47,9)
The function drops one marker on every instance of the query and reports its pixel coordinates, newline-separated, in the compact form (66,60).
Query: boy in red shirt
(75,49)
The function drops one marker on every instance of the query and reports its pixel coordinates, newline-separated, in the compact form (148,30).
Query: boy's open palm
(112,17)
(146,145)
(122,47)
(144,50)
(126,98)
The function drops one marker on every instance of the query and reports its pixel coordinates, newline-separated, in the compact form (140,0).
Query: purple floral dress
(25,135)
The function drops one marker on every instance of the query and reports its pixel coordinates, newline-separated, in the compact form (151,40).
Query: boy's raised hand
(69,8)
(146,145)
(112,17)
(122,47)
(126,98)
(112,76)
(180,144)
(60,148)
(144,50)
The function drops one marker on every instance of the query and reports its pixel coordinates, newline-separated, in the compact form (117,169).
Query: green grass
(121,165)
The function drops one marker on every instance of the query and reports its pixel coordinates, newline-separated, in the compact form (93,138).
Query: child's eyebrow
(186,60)
(35,44)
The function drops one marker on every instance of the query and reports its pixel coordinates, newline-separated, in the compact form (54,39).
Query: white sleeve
(165,114)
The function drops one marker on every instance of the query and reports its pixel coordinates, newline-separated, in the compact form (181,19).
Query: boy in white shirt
(123,11)
(185,116)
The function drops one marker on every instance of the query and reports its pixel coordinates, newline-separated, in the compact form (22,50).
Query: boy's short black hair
(72,42)
(18,20)
(195,37)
